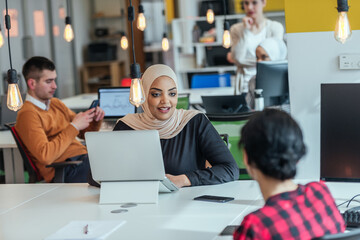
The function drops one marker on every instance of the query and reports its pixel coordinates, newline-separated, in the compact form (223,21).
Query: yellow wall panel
(170,10)
(317,15)
(271,5)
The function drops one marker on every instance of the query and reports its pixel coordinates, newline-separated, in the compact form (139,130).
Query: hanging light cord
(164,21)
(67,8)
(224,10)
(131,19)
(8,26)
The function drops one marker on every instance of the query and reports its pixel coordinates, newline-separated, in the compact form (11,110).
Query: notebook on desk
(127,156)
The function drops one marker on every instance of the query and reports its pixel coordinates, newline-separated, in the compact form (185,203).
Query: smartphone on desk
(94,104)
(212,198)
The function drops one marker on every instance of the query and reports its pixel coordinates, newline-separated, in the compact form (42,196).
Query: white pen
(86,229)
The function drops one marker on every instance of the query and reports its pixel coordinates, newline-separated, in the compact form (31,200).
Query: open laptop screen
(115,101)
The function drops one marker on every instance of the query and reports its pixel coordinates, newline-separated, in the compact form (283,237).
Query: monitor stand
(129,192)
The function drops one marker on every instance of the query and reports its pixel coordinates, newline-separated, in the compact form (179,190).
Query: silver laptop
(127,156)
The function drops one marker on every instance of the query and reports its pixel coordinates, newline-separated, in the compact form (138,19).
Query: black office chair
(231,124)
(352,235)
(30,167)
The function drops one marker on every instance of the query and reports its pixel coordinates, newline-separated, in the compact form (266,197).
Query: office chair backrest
(232,124)
(352,235)
(30,167)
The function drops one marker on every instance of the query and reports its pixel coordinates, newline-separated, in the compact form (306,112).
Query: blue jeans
(79,173)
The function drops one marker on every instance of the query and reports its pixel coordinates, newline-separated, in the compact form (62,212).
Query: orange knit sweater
(48,135)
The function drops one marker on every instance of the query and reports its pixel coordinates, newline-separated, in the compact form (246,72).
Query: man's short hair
(35,65)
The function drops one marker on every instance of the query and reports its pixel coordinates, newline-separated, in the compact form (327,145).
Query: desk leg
(8,165)
(18,166)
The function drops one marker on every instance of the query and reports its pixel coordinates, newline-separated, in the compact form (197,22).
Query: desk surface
(41,209)
(7,140)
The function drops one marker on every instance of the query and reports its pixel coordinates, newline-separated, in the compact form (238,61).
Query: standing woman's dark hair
(274,143)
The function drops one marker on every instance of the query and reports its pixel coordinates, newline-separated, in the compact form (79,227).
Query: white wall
(313,59)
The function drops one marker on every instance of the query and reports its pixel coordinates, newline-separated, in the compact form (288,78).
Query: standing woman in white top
(246,36)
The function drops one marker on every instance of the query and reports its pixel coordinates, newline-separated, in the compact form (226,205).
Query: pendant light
(68,32)
(141,20)
(165,41)
(226,41)
(342,28)
(14,100)
(137,96)
(210,16)
(124,43)
(1,38)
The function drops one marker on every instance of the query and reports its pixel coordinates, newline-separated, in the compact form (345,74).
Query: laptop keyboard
(352,217)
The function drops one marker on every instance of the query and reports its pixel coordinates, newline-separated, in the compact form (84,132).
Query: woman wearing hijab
(187,137)
(271,49)
(246,36)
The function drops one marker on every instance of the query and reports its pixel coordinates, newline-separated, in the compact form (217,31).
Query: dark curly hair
(273,142)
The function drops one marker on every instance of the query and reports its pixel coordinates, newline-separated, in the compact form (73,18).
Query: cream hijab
(146,121)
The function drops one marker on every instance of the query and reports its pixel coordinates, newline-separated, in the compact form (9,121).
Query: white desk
(13,164)
(176,216)
(41,209)
(80,102)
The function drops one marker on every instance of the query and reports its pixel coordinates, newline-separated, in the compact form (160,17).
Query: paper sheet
(76,230)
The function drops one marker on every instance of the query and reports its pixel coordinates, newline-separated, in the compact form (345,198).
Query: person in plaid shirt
(273,144)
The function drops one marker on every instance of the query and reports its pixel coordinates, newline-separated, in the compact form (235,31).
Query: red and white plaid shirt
(305,213)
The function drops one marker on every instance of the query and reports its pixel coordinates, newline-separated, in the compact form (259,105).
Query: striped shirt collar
(38,103)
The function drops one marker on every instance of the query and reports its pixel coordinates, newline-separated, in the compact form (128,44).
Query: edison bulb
(68,33)
(137,96)
(165,44)
(14,100)
(1,40)
(342,28)
(226,39)
(141,22)
(210,16)
(124,42)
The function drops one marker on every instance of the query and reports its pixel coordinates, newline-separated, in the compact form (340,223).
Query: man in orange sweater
(48,128)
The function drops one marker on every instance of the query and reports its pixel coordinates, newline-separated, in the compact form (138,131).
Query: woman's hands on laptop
(179,180)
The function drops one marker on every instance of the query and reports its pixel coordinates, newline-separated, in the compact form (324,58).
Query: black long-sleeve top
(187,152)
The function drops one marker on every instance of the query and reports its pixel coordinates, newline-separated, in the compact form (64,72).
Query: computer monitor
(272,78)
(115,101)
(340,132)
(228,104)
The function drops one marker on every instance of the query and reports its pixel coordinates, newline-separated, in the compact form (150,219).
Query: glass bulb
(165,44)
(226,39)
(137,96)
(68,33)
(210,16)
(1,39)
(141,22)
(14,100)
(124,42)
(342,28)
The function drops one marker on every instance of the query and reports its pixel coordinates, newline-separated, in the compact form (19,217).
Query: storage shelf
(189,55)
